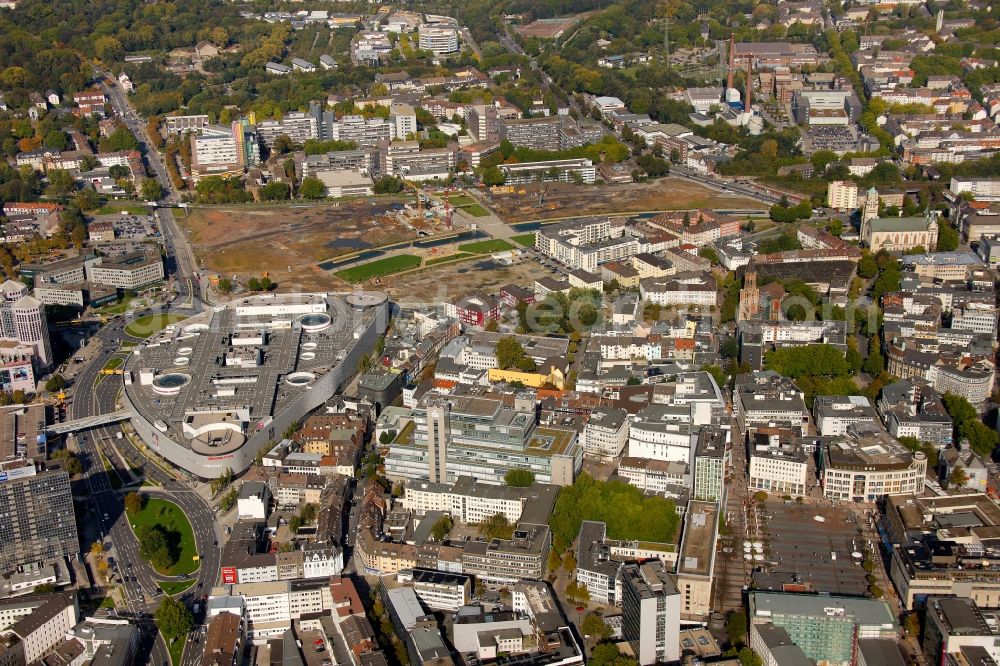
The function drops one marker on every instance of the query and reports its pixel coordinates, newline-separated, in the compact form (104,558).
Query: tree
(275,191)
(388,185)
(958,478)
(577,593)
(608,654)
(626,511)
(441,528)
(569,561)
(654,167)
(729,348)
(821,360)
(155,547)
(56,139)
(108,48)
(736,628)
(493,176)
(554,561)
(225,285)
(151,190)
(497,527)
(510,354)
(61,182)
(519,478)
(282,144)
(119,140)
(134,503)
(912,624)
(97,549)
(968,425)
(873,363)
(253,284)
(748,657)
(173,619)
(312,188)
(947,236)
(55,383)
(594,627)
(867,267)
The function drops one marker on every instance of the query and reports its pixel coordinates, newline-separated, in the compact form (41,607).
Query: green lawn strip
(486,246)
(176,649)
(460,200)
(113,478)
(147,325)
(475,210)
(119,308)
(379,268)
(173,587)
(525,240)
(116,208)
(113,364)
(171,518)
(450,258)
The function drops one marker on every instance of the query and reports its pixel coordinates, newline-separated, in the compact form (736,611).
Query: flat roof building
(651,611)
(826,628)
(37,521)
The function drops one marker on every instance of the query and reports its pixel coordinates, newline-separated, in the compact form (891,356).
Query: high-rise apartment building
(36,515)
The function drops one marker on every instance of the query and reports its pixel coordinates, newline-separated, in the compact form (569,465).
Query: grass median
(173,587)
(169,517)
(147,325)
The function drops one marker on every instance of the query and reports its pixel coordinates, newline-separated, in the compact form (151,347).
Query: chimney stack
(749,83)
(732,61)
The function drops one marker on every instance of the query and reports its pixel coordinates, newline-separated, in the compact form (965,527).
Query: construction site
(555,200)
(298,246)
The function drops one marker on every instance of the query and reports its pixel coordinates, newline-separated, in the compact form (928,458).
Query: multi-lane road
(98,394)
(94,393)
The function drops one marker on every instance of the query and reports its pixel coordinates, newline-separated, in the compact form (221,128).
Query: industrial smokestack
(732,62)
(749,82)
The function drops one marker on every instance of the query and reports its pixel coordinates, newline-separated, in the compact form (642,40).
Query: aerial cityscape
(514,333)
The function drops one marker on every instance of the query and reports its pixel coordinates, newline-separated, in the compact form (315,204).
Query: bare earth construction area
(563,199)
(287,241)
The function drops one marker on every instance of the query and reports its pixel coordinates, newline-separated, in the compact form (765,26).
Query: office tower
(651,613)
(22,319)
(36,515)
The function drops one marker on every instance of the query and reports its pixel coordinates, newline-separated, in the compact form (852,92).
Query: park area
(565,199)
(165,537)
(289,241)
(467,204)
(147,325)
(379,268)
